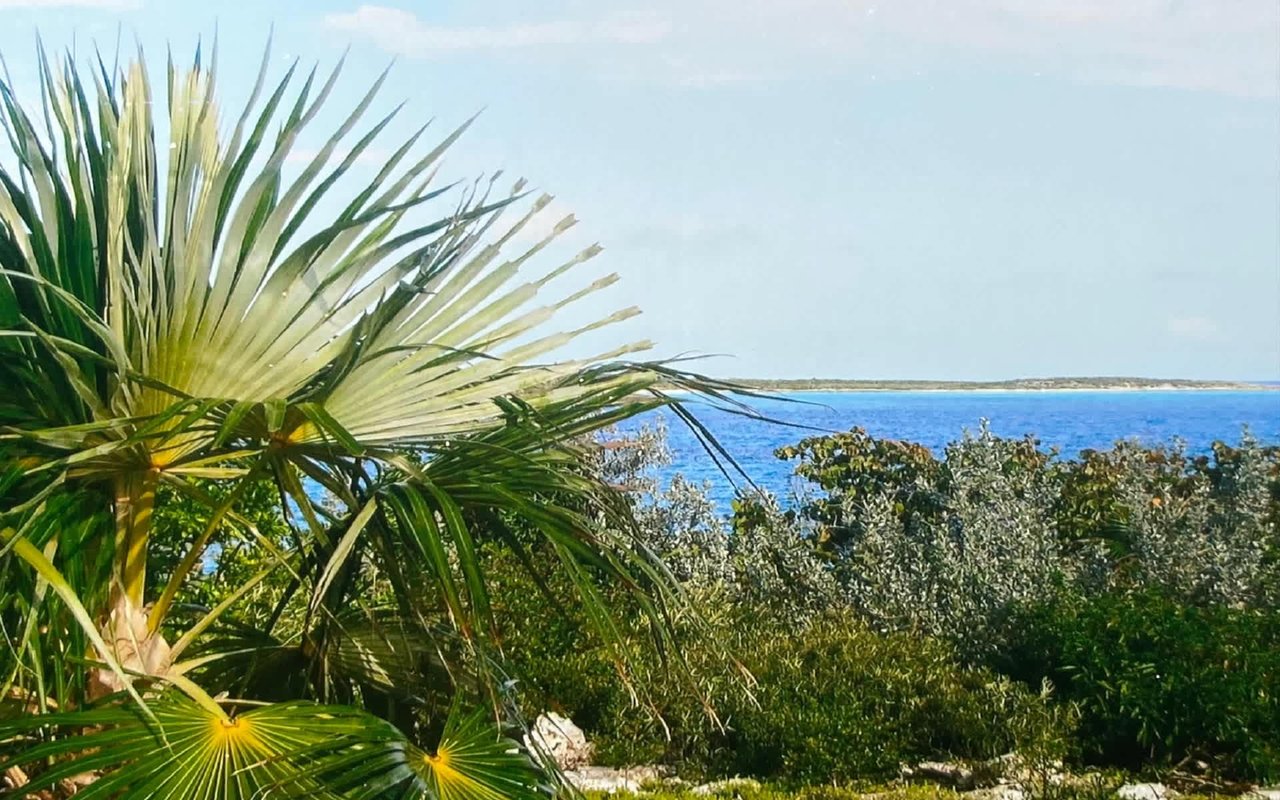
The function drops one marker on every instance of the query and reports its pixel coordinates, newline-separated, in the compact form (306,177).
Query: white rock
(556,736)
(1008,768)
(1014,768)
(1005,791)
(1262,793)
(1145,791)
(725,786)
(610,780)
(955,775)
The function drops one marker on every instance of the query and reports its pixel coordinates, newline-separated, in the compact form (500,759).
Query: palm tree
(179,324)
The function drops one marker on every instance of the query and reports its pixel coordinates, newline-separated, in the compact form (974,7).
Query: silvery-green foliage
(991,538)
(898,576)
(948,547)
(676,522)
(681,525)
(776,567)
(993,545)
(1201,539)
(630,461)
(1241,531)
(769,564)
(1000,524)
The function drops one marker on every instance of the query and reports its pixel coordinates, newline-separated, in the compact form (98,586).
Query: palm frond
(190,753)
(175,307)
(471,762)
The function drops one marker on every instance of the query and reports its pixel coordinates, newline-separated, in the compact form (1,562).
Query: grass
(1104,788)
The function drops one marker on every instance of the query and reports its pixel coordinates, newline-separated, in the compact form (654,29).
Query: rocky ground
(1009,777)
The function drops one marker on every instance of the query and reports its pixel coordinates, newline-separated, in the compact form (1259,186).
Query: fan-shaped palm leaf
(281,750)
(173,308)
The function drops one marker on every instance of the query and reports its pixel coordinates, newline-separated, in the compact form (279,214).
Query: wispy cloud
(1193,327)
(103,5)
(1231,47)
(1226,47)
(405,33)
(686,72)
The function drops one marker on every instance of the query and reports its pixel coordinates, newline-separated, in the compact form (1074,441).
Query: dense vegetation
(1099,787)
(1115,609)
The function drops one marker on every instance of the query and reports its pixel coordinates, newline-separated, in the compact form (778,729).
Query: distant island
(1015,385)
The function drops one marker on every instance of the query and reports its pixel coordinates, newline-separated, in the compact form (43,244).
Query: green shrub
(839,702)
(1103,788)
(1201,528)
(636,706)
(951,545)
(233,556)
(1156,680)
(959,548)
(833,700)
(855,466)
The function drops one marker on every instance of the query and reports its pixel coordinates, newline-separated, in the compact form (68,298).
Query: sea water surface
(1067,420)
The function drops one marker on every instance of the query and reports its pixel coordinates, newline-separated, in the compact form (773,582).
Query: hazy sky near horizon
(961,189)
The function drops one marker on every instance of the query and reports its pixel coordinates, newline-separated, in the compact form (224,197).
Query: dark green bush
(833,700)
(1157,680)
(839,702)
(640,706)
(855,466)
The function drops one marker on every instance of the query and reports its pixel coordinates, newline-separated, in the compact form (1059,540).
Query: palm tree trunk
(135,500)
(135,647)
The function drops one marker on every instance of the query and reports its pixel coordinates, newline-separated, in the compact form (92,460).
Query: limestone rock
(1015,768)
(726,786)
(956,776)
(13,778)
(1005,791)
(610,779)
(1145,791)
(556,737)
(76,783)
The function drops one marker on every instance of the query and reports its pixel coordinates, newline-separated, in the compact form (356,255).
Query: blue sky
(843,188)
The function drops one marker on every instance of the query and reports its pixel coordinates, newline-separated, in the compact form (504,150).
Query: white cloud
(1227,47)
(103,5)
(688,73)
(1193,327)
(1231,47)
(404,33)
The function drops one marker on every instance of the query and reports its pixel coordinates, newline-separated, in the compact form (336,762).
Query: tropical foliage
(955,605)
(832,698)
(1157,680)
(354,398)
(950,545)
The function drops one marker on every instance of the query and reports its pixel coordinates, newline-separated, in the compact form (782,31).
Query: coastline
(1005,390)
(1080,385)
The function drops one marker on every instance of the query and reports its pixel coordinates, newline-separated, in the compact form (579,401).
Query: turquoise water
(1069,421)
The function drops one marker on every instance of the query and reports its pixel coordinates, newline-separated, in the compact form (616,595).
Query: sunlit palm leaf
(208,300)
(278,750)
(471,762)
(173,307)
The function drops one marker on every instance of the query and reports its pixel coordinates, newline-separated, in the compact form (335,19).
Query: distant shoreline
(1017,385)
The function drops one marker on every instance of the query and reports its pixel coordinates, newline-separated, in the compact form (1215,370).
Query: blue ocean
(1067,420)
